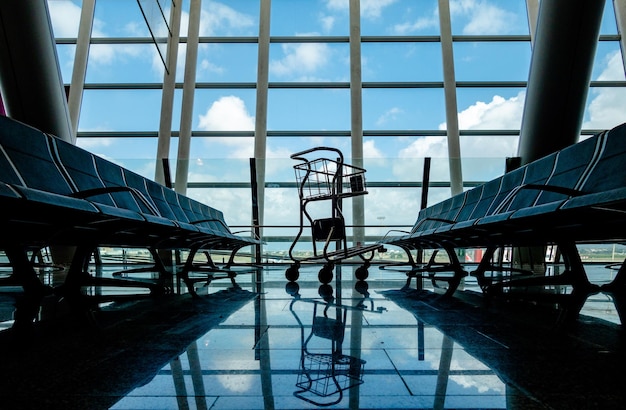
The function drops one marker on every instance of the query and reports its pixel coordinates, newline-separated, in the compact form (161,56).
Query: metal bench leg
(27,308)
(617,290)
(618,284)
(574,274)
(184,274)
(458,273)
(484,265)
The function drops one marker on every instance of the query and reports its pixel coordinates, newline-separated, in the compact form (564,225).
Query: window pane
(604,108)
(235,203)
(492,61)
(120,110)
(227,18)
(609,25)
(223,151)
(309,62)
(227,62)
(65,18)
(137,154)
(403,17)
(495,17)
(608,65)
(403,109)
(490,108)
(382,208)
(308,109)
(124,63)
(309,17)
(224,110)
(402,61)
(484,156)
(65,55)
(119,19)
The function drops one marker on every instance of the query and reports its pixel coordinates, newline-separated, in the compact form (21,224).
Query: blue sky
(388,158)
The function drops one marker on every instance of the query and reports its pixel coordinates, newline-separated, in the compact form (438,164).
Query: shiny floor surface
(272,344)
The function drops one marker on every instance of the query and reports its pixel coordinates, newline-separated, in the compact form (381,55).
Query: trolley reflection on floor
(324,375)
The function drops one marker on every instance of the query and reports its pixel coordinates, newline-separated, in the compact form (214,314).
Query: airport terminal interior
(314,133)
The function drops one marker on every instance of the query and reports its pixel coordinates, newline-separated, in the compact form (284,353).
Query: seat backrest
(438,210)
(215,218)
(607,172)
(508,184)
(457,203)
(572,164)
(489,193)
(172,199)
(29,158)
(157,196)
(472,197)
(537,173)
(422,217)
(187,206)
(112,175)
(8,174)
(202,215)
(80,167)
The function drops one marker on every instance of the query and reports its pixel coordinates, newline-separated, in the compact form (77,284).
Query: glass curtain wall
(308,97)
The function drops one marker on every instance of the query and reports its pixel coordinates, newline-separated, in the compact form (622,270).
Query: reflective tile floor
(273,344)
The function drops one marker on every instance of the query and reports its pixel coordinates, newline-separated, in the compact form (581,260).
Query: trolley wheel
(292,273)
(326,292)
(361,273)
(326,274)
(362,287)
(292,288)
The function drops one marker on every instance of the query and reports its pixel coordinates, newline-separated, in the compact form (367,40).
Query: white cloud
(370,150)
(90,144)
(499,113)
(484,18)
(227,114)
(369,8)
(301,59)
(218,18)
(606,109)
(425,147)
(206,65)
(65,16)
(327,23)
(230,113)
(614,70)
(389,115)
(419,24)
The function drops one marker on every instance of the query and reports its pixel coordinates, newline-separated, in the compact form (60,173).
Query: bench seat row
(576,195)
(55,193)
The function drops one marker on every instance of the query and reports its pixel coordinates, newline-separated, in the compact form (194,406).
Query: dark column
(560,71)
(30,78)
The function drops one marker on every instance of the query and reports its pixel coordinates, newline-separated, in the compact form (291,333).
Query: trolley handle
(298,155)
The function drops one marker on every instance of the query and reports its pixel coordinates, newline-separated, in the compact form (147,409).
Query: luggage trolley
(325,179)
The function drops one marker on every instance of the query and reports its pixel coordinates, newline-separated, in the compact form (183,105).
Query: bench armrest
(569,192)
(427,219)
(102,191)
(394,230)
(199,221)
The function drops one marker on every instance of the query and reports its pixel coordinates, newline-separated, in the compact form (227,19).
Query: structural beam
(560,71)
(30,78)
(449,85)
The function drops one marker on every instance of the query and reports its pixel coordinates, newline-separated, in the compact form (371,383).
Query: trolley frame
(326,179)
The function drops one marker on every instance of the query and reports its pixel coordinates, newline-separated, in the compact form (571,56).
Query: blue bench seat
(55,193)
(573,196)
